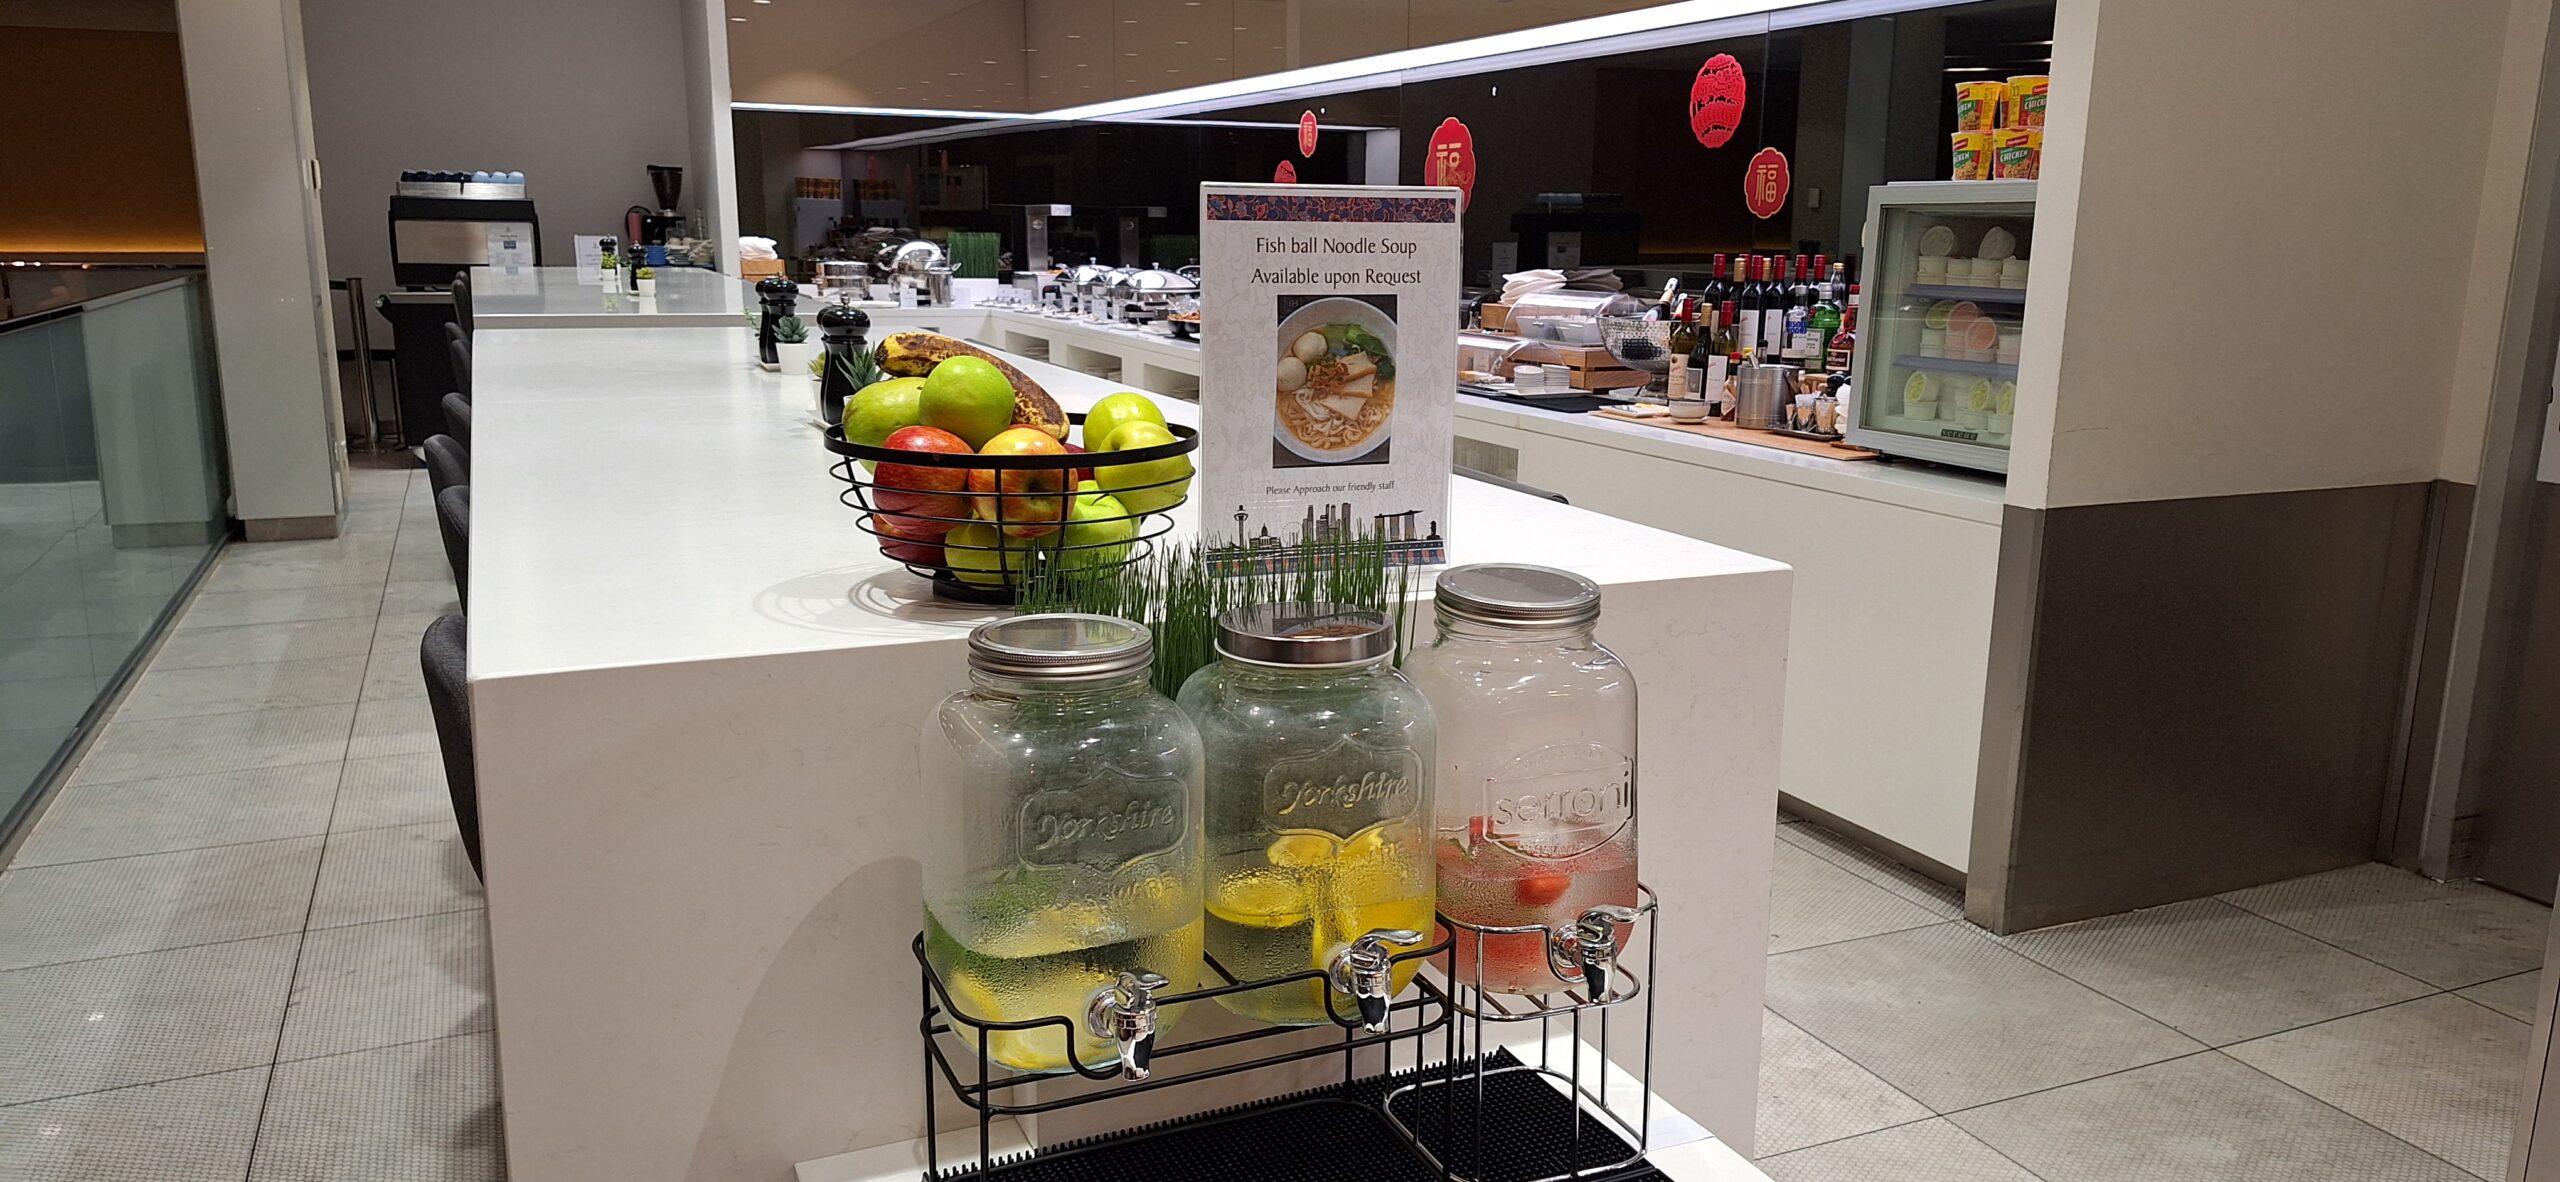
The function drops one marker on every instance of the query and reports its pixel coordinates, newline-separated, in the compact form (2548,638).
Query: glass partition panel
(111,502)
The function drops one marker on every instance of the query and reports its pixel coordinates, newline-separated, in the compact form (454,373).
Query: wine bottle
(1683,342)
(1715,349)
(1715,290)
(1772,345)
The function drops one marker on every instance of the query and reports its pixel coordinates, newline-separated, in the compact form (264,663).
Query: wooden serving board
(1607,379)
(1810,447)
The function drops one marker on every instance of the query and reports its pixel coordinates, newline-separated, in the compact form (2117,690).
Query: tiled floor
(243,942)
(2364,1023)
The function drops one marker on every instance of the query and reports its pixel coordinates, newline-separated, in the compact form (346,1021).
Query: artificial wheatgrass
(1177,594)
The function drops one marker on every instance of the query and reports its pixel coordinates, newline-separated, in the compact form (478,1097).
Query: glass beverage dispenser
(1536,820)
(1062,870)
(1320,759)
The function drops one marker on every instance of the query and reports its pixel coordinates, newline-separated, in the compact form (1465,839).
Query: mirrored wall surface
(111,503)
(1598,160)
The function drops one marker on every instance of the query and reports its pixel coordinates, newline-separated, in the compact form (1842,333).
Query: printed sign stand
(1329,319)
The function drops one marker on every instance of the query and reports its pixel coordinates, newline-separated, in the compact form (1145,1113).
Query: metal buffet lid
(1154,283)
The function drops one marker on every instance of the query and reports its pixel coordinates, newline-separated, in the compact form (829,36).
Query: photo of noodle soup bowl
(1335,386)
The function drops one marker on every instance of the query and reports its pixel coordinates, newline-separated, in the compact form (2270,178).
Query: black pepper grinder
(841,328)
(778,296)
(632,254)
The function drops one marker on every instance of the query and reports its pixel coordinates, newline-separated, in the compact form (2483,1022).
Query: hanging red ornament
(1716,100)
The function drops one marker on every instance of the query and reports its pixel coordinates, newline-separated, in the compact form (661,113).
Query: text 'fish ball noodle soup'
(1335,380)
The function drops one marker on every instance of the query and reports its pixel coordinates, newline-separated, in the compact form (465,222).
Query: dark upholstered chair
(457,419)
(448,463)
(453,520)
(441,659)
(462,304)
(461,354)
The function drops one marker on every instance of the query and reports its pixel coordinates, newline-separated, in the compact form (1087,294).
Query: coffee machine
(652,229)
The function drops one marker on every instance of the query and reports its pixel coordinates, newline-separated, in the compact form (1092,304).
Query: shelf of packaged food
(1979,295)
(1987,369)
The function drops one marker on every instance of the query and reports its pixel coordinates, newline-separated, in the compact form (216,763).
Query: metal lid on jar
(1304,634)
(1060,647)
(1515,593)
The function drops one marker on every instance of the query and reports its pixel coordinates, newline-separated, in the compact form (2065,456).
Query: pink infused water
(1488,884)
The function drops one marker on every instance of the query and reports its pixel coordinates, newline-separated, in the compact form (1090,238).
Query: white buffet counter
(554,297)
(696,691)
(1890,640)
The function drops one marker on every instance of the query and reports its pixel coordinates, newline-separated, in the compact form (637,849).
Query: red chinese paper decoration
(1715,101)
(1306,133)
(1764,184)
(1451,159)
(1286,174)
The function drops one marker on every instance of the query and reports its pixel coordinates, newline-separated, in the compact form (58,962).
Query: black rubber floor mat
(1337,1135)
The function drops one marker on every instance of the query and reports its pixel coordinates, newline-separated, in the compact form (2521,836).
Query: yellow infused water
(1048,961)
(1292,906)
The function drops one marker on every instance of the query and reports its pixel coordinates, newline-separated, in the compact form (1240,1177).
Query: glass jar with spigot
(1062,863)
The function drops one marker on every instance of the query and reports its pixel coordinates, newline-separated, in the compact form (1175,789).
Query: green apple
(969,397)
(978,554)
(1113,412)
(1099,530)
(1171,477)
(882,407)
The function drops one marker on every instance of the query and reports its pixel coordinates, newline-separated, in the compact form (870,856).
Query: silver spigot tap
(1364,970)
(1586,950)
(1125,1012)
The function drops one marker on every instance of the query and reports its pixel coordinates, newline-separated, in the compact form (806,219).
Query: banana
(914,354)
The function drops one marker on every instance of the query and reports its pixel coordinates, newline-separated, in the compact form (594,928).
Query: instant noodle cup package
(2026,100)
(1972,155)
(2017,153)
(1978,105)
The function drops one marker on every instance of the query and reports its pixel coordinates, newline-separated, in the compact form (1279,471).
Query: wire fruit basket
(978,526)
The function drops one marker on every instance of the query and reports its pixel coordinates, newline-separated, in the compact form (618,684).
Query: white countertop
(1929,488)
(648,496)
(552,297)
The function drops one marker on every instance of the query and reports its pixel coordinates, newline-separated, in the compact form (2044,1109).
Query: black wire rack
(1025,499)
(1454,1115)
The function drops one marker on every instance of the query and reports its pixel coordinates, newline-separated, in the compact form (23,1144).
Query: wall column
(258,183)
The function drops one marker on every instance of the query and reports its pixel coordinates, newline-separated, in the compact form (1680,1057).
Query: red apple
(1079,476)
(917,493)
(910,540)
(1034,499)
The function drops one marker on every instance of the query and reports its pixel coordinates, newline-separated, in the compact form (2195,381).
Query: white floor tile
(2514,996)
(1813,902)
(1810,1093)
(1930,1151)
(97,1024)
(114,820)
(392,790)
(218,609)
(189,1130)
(2439,1072)
(424,1112)
(393,726)
(51,914)
(376,874)
(159,748)
(399,981)
(232,689)
(252,644)
(2448,934)
(2214,972)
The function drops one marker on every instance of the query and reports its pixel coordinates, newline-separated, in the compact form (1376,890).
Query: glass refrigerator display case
(1943,299)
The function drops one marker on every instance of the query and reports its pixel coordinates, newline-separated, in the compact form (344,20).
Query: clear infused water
(1489,884)
(1043,961)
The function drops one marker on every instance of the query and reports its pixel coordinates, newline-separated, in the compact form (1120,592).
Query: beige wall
(2265,235)
(580,95)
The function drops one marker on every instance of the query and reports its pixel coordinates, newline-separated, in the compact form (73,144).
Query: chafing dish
(1141,296)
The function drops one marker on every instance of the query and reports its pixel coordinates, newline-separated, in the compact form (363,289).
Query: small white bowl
(1933,342)
(1920,411)
(1689,410)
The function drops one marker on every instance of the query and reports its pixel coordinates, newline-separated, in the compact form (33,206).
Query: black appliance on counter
(440,227)
(647,228)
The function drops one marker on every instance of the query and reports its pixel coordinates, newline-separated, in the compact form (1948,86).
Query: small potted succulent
(648,280)
(793,347)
